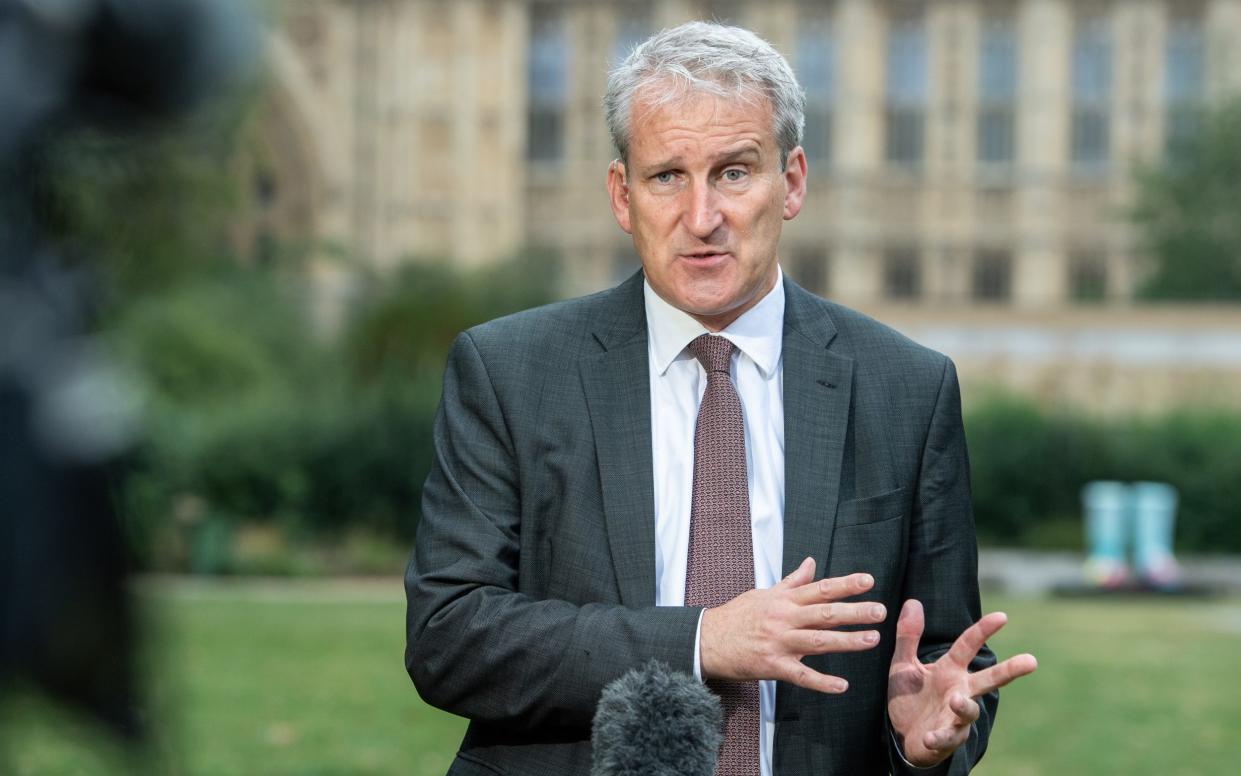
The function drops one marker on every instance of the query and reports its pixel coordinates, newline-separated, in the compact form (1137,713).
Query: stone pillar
(1139,75)
(775,22)
(937,260)
(948,48)
(670,13)
(857,273)
(364,218)
(858,150)
(466,236)
(1223,62)
(860,68)
(948,189)
(510,100)
(487,152)
(1045,35)
(968,37)
(1139,33)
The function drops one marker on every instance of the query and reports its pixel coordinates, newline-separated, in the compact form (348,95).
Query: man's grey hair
(711,58)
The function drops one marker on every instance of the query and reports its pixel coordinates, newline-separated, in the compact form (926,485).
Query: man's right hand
(764,634)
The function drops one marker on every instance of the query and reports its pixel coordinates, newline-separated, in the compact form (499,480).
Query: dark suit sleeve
(942,567)
(477,645)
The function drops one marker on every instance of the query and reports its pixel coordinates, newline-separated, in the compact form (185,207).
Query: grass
(306,678)
(297,677)
(1124,686)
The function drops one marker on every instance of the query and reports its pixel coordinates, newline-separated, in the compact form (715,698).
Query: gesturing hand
(764,634)
(931,706)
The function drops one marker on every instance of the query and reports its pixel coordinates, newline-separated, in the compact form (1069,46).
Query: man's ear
(618,193)
(795,182)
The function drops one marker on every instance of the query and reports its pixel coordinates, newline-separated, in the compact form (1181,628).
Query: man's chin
(716,300)
(707,307)
(715,314)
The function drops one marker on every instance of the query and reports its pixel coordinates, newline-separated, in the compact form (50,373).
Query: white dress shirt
(677,385)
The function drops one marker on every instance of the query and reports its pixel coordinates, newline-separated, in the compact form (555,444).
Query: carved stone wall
(400,130)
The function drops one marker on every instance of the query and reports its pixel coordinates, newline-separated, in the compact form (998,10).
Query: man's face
(704,197)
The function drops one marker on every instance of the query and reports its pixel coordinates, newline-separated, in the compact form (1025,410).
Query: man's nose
(703,215)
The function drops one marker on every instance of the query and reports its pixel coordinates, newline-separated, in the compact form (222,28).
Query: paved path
(276,589)
(1022,572)
(1015,572)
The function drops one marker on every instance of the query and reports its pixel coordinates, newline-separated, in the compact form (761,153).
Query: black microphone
(654,721)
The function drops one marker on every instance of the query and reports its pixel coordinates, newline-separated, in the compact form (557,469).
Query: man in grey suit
(590,455)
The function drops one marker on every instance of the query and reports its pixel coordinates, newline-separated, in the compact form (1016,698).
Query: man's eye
(663,177)
(733,175)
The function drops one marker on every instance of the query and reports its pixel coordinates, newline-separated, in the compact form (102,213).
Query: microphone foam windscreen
(655,721)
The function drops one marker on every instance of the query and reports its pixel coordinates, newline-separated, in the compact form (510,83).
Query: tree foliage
(1187,214)
(146,209)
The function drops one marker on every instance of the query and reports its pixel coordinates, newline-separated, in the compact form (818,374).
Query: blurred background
(1047,191)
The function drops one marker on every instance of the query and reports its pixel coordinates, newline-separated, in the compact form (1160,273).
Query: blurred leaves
(1028,466)
(257,415)
(1186,213)
(406,320)
(147,209)
(182,343)
(261,414)
(261,411)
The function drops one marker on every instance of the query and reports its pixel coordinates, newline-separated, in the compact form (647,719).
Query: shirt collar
(758,332)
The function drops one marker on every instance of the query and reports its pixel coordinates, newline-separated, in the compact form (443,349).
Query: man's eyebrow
(747,151)
(664,164)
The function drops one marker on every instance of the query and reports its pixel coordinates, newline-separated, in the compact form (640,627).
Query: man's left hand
(931,706)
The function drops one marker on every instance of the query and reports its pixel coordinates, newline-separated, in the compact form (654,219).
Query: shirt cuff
(698,647)
(936,768)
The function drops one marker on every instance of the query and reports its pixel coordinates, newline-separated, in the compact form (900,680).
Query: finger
(1002,673)
(908,632)
(820,642)
(964,707)
(835,615)
(945,739)
(802,575)
(798,673)
(833,589)
(968,643)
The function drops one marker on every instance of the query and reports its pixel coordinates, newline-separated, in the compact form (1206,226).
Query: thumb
(908,632)
(802,575)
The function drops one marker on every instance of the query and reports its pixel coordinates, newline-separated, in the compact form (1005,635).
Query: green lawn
(307,678)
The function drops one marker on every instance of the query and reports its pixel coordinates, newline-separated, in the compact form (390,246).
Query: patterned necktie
(721,551)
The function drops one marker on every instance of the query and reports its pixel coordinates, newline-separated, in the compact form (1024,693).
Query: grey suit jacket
(532,582)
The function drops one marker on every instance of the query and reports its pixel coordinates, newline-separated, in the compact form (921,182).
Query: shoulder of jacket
(867,339)
(552,326)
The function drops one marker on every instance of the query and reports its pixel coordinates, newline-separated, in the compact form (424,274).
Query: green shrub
(228,368)
(151,208)
(371,456)
(220,338)
(1028,467)
(1199,453)
(253,421)
(403,323)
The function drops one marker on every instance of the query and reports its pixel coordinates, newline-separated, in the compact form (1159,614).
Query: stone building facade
(961,151)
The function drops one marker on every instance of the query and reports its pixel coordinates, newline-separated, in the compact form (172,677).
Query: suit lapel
(817,393)
(617,386)
(818,388)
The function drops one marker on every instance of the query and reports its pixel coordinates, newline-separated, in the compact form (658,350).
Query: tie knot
(713,352)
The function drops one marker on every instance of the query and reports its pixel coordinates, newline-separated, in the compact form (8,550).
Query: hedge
(1029,464)
(252,420)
